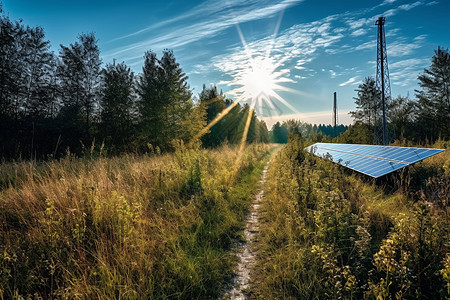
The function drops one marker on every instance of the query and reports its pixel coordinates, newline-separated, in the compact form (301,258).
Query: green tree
(279,133)
(117,106)
(39,94)
(263,136)
(213,103)
(27,89)
(178,96)
(12,65)
(358,133)
(150,101)
(403,112)
(79,77)
(167,112)
(368,103)
(434,98)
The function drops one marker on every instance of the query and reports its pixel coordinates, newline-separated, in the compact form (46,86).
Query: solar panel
(371,160)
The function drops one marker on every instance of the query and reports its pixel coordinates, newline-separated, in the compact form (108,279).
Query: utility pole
(382,80)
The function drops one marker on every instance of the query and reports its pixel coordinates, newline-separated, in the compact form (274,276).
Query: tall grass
(152,227)
(328,234)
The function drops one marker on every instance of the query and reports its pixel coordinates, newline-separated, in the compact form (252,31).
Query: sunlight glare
(259,80)
(258,77)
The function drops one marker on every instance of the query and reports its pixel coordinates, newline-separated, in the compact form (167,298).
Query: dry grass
(328,234)
(128,227)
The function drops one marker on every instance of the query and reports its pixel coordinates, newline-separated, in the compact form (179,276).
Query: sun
(259,76)
(259,80)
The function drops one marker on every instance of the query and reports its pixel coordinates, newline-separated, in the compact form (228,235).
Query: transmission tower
(382,81)
(335,116)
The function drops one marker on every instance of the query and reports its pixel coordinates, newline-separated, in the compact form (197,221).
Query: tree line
(321,132)
(54,103)
(424,119)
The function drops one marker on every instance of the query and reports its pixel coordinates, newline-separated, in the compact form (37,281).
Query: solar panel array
(371,160)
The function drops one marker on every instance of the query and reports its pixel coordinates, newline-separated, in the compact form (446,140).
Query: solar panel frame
(372,160)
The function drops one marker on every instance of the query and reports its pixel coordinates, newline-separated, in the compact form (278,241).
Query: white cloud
(212,18)
(431,3)
(359,32)
(357,23)
(300,62)
(404,73)
(401,47)
(339,30)
(199,69)
(367,45)
(386,2)
(352,80)
(404,7)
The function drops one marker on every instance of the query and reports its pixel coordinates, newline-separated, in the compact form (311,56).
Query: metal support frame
(382,78)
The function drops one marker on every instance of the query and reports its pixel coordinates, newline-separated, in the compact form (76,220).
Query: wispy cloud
(386,2)
(208,7)
(352,80)
(296,46)
(354,23)
(432,3)
(206,21)
(403,7)
(401,47)
(405,72)
(359,32)
(367,45)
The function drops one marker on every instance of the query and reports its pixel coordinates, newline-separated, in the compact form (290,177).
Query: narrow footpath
(246,252)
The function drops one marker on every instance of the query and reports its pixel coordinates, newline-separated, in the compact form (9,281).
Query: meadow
(165,226)
(327,233)
(153,226)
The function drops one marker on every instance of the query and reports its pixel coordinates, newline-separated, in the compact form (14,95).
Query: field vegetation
(330,234)
(149,227)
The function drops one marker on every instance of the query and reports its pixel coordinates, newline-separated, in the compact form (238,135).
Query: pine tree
(151,100)
(178,98)
(368,103)
(214,104)
(279,133)
(402,115)
(12,67)
(165,103)
(434,98)
(263,132)
(117,106)
(39,94)
(79,77)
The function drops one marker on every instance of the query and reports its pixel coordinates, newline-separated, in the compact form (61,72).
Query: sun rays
(257,80)
(258,83)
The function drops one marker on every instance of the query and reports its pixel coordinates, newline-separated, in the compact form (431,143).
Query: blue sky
(323,46)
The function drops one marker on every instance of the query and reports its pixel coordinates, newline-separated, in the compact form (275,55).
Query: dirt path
(245,252)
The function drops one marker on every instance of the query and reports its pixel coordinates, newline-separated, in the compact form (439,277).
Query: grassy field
(162,227)
(330,234)
(149,227)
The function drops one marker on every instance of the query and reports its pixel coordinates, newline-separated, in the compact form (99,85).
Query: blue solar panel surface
(371,160)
